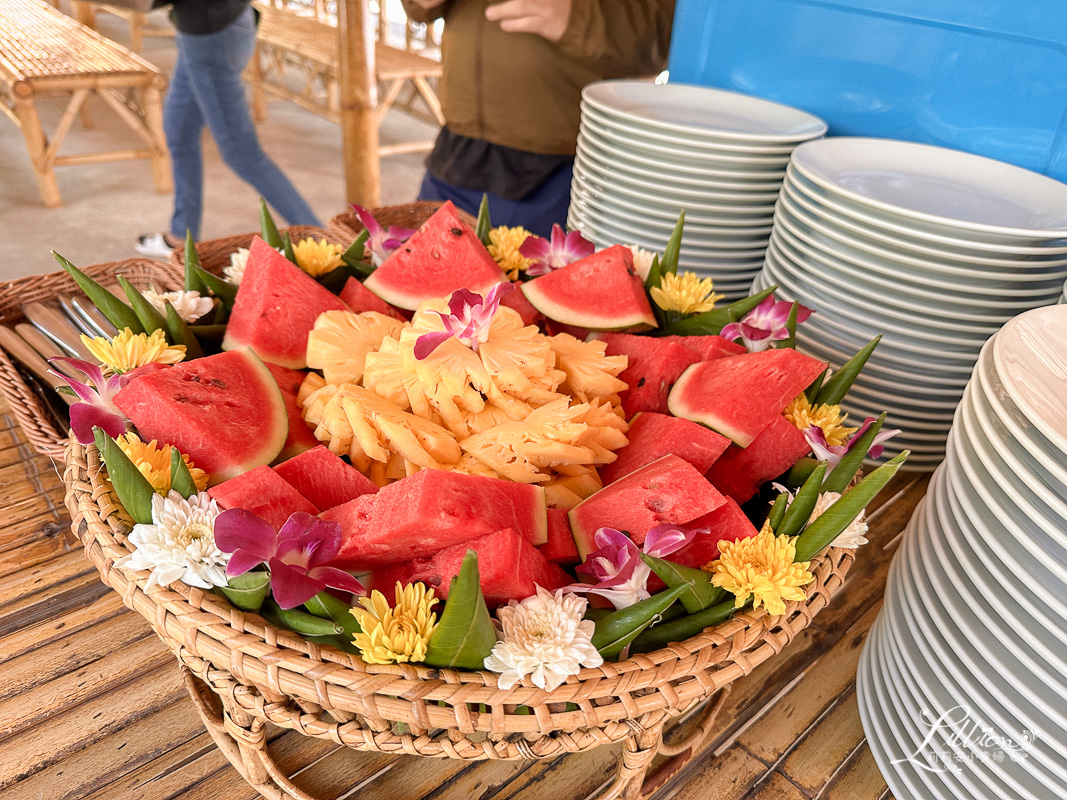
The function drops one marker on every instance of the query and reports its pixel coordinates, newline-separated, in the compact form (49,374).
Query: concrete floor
(107,206)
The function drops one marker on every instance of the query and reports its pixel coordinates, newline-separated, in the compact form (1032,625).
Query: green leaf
(851,462)
(835,389)
(484,224)
(840,515)
(673,249)
(355,254)
(465,634)
(267,229)
(618,629)
(209,333)
(287,247)
(180,333)
(791,327)
(800,472)
(224,290)
(193,281)
(813,390)
(118,313)
(327,606)
(681,629)
(712,322)
(774,517)
(655,275)
(247,592)
(796,516)
(151,320)
(131,487)
(300,621)
(701,593)
(181,480)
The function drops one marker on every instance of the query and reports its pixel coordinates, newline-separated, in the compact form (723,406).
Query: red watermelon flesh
(440,257)
(355,518)
(301,437)
(726,523)
(517,301)
(741,471)
(742,395)
(359,298)
(560,547)
(433,509)
(509,568)
(707,347)
(601,291)
(223,411)
(276,308)
(652,369)
(263,492)
(653,435)
(324,478)
(666,492)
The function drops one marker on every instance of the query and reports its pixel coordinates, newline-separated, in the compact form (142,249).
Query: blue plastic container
(985,76)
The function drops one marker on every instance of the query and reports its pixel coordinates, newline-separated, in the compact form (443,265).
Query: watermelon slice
(434,509)
(440,257)
(667,491)
(560,547)
(324,478)
(653,435)
(359,298)
(224,411)
(355,518)
(517,301)
(742,395)
(707,347)
(301,437)
(276,308)
(601,291)
(727,523)
(263,492)
(652,368)
(741,471)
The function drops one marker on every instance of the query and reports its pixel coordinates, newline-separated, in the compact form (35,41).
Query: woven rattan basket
(346,226)
(24,398)
(263,674)
(215,253)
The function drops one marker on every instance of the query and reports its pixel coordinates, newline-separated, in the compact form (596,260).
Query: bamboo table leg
(37,144)
(162,175)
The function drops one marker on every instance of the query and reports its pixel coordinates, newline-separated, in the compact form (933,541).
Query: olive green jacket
(521,90)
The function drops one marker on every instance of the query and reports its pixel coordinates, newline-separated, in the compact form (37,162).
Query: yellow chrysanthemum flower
(153,462)
(686,293)
(504,244)
(128,350)
(803,414)
(762,566)
(317,257)
(398,634)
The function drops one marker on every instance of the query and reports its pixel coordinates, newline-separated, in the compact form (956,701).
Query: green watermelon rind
(410,301)
(679,408)
(572,316)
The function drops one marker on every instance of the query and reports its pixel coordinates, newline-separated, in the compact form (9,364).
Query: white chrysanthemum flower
(852,536)
(179,545)
(642,260)
(545,637)
(189,305)
(236,271)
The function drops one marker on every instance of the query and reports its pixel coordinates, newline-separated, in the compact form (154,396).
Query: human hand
(547,18)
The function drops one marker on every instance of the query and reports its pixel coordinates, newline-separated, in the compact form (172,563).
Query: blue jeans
(206,89)
(535,212)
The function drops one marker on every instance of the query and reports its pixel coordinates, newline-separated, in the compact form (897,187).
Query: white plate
(694,253)
(938,187)
(702,110)
(711,244)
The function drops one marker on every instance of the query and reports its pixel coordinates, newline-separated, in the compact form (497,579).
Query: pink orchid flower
(559,252)
(296,555)
(765,324)
(469,321)
(621,575)
(833,454)
(96,409)
(381,241)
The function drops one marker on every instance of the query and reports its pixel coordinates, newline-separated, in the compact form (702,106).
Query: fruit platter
(463,492)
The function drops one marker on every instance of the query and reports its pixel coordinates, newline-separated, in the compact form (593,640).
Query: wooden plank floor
(91,706)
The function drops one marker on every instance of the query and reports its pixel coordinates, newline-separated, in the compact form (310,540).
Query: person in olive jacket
(513,77)
(215,39)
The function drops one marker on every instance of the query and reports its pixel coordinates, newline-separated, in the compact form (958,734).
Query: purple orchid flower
(765,324)
(97,409)
(469,321)
(382,242)
(833,454)
(297,555)
(559,252)
(621,574)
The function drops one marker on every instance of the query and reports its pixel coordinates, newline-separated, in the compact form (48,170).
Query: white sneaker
(154,245)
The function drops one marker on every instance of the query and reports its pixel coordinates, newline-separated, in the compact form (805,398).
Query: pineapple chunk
(589,372)
(559,496)
(341,340)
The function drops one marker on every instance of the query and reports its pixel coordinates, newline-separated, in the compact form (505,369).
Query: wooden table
(80,719)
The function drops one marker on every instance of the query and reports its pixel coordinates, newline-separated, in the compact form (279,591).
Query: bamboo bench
(296,59)
(45,53)
(85,12)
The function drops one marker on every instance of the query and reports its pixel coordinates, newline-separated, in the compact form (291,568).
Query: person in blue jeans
(215,40)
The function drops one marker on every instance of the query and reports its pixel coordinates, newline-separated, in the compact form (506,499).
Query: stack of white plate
(646,152)
(934,248)
(963,680)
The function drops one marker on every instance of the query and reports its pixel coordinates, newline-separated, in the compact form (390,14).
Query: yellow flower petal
(802,414)
(686,293)
(127,350)
(153,461)
(504,244)
(398,634)
(317,257)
